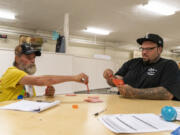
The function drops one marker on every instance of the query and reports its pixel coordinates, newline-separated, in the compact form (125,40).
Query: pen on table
(97,113)
(43,101)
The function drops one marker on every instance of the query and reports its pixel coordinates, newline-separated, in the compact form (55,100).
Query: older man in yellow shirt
(17,82)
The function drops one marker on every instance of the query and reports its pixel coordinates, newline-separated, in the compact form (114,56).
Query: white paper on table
(30,106)
(178,112)
(136,123)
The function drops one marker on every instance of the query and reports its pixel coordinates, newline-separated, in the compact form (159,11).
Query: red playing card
(92,100)
(94,97)
(70,94)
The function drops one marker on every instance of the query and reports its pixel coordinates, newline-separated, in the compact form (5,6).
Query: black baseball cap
(151,37)
(27,49)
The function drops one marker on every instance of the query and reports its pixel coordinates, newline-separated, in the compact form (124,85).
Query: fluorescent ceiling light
(159,8)
(7,15)
(97,31)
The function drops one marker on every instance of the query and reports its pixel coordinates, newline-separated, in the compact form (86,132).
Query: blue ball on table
(168,113)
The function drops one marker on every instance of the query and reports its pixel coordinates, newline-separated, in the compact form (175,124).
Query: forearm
(156,93)
(45,80)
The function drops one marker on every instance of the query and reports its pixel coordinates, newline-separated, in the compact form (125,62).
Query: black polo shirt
(163,73)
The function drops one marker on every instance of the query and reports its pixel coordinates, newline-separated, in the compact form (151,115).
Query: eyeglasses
(147,49)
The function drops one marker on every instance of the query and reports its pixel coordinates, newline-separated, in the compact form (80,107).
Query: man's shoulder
(167,61)
(14,69)
(168,64)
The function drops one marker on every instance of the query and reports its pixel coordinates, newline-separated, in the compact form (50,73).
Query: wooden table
(64,120)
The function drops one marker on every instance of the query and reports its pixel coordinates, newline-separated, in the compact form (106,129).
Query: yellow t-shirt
(9,87)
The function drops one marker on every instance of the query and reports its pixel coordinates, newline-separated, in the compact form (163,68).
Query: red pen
(87,88)
(86,85)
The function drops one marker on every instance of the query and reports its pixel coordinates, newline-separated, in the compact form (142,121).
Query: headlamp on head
(28,49)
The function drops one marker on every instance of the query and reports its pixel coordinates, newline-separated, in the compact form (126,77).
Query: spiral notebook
(30,106)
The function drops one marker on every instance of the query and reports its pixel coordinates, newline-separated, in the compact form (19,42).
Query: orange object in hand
(117,82)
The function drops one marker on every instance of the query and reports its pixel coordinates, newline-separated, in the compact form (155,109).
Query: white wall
(8,43)
(55,64)
(118,57)
(94,68)
(85,50)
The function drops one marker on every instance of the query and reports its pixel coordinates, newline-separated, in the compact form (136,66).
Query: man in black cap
(149,77)
(17,82)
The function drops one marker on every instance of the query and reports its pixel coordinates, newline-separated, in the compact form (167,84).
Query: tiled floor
(99,91)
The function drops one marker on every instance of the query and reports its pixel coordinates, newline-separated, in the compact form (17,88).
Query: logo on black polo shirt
(151,71)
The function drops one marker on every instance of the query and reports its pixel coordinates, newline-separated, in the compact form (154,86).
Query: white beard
(30,69)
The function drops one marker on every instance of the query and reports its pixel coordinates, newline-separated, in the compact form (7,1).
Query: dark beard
(147,62)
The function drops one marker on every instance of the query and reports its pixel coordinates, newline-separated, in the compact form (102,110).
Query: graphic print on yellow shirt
(9,87)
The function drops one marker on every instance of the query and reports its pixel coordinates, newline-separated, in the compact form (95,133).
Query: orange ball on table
(75,106)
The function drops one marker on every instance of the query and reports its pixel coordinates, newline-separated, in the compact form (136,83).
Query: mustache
(145,55)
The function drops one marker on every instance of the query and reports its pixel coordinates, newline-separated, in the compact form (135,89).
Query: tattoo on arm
(156,93)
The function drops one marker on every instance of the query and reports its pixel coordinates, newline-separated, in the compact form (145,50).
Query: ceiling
(121,17)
